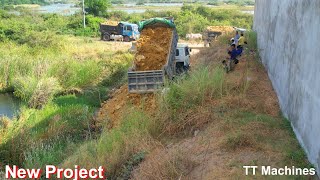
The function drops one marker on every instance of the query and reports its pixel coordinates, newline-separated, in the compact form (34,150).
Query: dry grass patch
(165,164)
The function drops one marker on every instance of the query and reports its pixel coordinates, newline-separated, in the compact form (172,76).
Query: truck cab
(182,58)
(129,31)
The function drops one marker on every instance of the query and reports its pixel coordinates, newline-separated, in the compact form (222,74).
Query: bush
(37,92)
(202,84)
(251,38)
(117,146)
(189,22)
(75,74)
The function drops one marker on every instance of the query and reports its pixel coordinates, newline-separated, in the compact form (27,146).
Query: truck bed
(110,29)
(153,80)
(145,81)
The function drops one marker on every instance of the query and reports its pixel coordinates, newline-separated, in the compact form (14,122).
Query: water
(9,106)
(69,9)
(64,9)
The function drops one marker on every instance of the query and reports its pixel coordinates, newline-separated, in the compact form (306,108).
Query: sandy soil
(152,48)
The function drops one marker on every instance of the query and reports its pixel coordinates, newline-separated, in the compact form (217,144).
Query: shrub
(45,90)
(37,92)
(202,84)
(251,38)
(75,74)
(117,146)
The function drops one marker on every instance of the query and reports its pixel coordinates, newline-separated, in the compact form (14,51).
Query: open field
(205,124)
(62,86)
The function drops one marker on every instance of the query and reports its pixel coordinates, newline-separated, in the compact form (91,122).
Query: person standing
(236,38)
(241,41)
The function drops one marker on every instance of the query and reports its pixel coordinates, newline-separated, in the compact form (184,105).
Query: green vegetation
(192,18)
(97,7)
(63,78)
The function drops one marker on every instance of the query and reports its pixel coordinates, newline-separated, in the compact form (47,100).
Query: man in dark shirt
(233,53)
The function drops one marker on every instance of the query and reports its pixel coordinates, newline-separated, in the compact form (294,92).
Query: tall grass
(116,146)
(34,72)
(201,85)
(251,38)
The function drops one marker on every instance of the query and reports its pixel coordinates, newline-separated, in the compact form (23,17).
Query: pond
(9,106)
(64,9)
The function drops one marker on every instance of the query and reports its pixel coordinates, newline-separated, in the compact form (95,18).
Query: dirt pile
(152,48)
(110,22)
(223,29)
(113,109)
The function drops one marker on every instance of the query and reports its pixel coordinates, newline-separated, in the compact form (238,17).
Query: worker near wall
(241,41)
(233,53)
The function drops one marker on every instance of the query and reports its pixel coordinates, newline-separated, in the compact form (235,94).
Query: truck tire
(126,39)
(106,37)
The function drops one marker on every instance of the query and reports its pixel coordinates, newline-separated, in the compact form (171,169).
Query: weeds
(201,85)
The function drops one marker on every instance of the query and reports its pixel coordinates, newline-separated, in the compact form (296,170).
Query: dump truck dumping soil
(153,48)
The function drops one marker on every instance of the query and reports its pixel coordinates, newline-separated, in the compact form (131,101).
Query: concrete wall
(289,43)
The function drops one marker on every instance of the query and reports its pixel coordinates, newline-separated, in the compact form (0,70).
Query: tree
(213,2)
(97,7)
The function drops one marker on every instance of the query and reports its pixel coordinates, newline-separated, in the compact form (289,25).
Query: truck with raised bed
(148,81)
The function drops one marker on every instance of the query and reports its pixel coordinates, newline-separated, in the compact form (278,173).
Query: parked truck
(212,32)
(128,31)
(146,81)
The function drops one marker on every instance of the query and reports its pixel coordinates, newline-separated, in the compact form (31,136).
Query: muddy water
(9,106)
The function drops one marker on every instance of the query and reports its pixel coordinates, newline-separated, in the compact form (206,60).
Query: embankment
(288,36)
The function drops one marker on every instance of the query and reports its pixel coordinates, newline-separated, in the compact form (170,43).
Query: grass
(74,64)
(67,81)
(117,146)
(63,86)
(240,131)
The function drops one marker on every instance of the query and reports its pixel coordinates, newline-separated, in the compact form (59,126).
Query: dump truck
(127,30)
(155,59)
(212,32)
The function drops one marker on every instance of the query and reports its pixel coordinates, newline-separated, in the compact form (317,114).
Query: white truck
(182,59)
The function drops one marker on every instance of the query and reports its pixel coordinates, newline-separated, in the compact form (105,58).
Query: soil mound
(153,48)
(223,29)
(113,109)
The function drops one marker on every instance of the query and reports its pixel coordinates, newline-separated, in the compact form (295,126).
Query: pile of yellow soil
(113,109)
(110,22)
(223,29)
(153,48)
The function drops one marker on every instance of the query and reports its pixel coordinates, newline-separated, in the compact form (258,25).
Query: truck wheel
(106,37)
(126,39)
